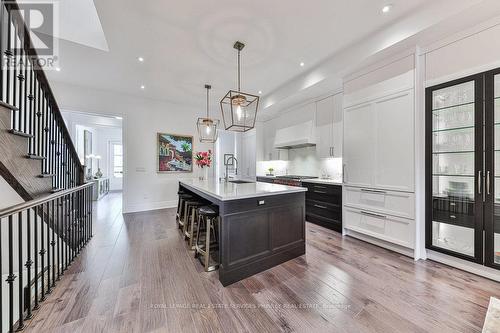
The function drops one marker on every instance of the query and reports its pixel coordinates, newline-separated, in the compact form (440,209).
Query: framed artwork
(174,153)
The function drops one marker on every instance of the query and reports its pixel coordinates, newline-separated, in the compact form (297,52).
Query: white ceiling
(189,43)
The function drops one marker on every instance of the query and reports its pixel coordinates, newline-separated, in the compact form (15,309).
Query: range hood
(298,136)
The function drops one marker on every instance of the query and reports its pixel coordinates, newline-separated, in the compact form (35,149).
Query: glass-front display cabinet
(492,144)
(463,168)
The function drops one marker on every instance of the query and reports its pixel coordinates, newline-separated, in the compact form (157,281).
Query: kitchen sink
(239,181)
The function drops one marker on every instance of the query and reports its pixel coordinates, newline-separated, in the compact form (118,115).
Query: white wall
(143,187)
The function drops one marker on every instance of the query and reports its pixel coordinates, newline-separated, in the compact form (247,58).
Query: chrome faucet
(226,163)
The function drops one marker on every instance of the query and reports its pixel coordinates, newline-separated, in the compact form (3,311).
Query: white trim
(376,241)
(147,206)
(419,159)
(461,35)
(462,74)
(464,265)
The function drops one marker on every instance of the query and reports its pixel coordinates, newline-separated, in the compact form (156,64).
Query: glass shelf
(453,152)
(449,175)
(452,106)
(452,129)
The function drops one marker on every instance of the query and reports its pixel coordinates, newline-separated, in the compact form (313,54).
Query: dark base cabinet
(324,205)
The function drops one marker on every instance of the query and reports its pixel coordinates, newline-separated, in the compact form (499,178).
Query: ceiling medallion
(239,109)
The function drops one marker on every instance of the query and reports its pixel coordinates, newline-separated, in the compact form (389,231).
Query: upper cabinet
(329,127)
(379,136)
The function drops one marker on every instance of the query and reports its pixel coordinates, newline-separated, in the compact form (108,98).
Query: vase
(203,173)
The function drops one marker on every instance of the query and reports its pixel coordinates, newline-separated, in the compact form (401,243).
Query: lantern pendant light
(207,127)
(239,109)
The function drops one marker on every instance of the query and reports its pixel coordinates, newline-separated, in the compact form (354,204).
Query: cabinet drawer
(324,193)
(391,229)
(329,211)
(386,202)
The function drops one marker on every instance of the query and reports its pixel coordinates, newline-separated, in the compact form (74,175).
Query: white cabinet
(248,157)
(329,127)
(358,145)
(379,143)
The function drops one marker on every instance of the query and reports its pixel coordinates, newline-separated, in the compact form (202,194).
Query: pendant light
(207,127)
(239,109)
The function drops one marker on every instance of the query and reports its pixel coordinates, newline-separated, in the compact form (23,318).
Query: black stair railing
(24,86)
(44,236)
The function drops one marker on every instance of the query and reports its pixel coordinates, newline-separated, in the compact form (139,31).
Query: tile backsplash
(304,162)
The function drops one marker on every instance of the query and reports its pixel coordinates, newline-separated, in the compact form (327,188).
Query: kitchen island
(261,225)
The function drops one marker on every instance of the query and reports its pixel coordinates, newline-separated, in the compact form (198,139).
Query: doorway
(115,158)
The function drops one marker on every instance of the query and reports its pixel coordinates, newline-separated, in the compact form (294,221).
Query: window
(117,160)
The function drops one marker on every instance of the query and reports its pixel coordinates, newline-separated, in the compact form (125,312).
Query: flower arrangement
(203,158)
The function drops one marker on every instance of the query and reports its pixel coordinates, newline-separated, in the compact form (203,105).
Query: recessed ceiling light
(141,59)
(302,64)
(58,69)
(143,87)
(386,8)
(119,118)
(260,92)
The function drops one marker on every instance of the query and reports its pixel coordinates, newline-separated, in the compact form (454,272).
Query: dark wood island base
(257,233)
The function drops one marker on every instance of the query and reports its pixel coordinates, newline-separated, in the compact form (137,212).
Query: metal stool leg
(207,244)
(196,246)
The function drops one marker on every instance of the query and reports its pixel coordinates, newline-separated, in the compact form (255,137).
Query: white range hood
(298,136)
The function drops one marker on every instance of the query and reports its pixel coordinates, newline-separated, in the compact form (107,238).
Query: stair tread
(8,106)
(36,157)
(47,175)
(20,133)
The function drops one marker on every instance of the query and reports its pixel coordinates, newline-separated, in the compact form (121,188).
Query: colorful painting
(175,153)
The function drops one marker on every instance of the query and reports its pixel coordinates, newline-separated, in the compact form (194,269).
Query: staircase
(42,236)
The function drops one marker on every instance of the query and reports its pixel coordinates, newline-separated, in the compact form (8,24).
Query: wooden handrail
(38,201)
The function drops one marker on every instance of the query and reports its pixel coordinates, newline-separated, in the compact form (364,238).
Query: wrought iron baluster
(20,265)
(29,262)
(11,277)
(42,252)
(15,115)
(38,212)
(53,244)
(47,226)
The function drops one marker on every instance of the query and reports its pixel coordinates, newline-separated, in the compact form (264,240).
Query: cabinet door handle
(479,182)
(322,192)
(373,191)
(373,214)
(488,182)
(343,173)
(319,206)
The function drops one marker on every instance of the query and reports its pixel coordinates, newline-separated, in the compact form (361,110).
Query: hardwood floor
(136,275)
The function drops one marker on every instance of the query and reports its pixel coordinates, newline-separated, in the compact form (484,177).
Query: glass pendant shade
(207,127)
(239,109)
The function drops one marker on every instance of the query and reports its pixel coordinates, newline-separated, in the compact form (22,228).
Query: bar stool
(180,208)
(191,212)
(207,237)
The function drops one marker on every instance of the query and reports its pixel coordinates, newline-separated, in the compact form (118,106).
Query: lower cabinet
(385,215)
(324,205)
(396,230)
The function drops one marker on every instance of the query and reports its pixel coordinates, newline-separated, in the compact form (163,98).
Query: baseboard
(386,245)
(471,267)
(146,206)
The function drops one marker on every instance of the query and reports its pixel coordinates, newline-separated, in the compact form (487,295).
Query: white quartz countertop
(230,191)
